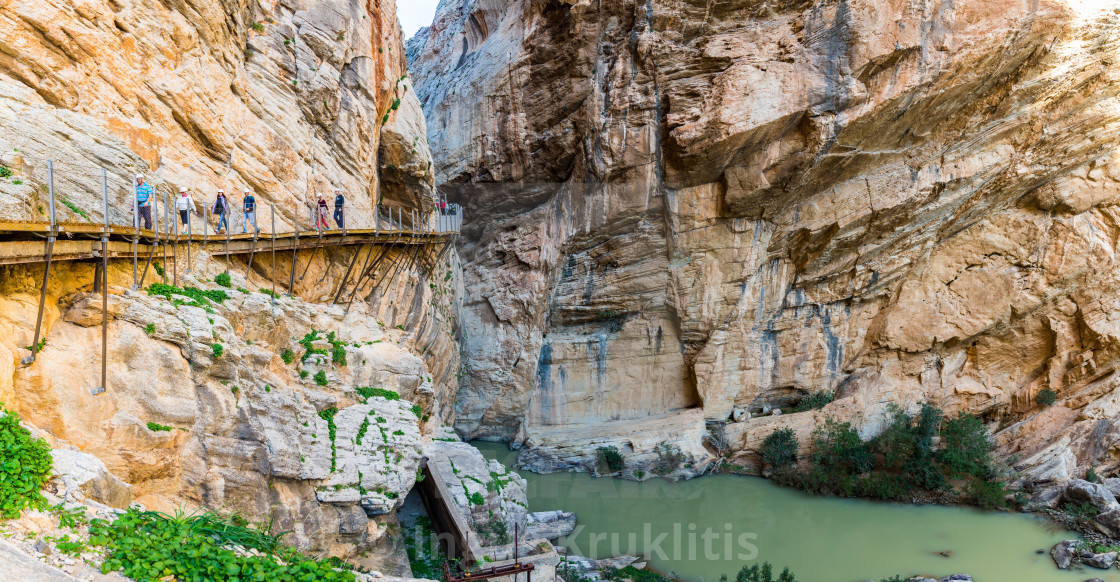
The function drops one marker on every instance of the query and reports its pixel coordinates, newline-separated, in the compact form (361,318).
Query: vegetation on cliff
(146,545)
(907,458)
(24,467)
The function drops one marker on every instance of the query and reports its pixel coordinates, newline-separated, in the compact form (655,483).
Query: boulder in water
(549,525)
(1100,561)
(1063,553)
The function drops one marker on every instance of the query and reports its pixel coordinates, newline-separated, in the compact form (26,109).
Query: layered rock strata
(728,207)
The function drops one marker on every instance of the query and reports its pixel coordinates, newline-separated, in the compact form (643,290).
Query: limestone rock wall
(287,97)
(203,409)
(684,204)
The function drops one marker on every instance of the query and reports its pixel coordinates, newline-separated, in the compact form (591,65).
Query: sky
(415,14)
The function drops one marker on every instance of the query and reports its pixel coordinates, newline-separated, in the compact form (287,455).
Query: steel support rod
(272,208)
(295,251)
(346,275)
(167,227)
(104,286)
(46,269)
(227,236)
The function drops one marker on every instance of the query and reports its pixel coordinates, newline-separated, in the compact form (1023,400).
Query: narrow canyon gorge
(623,247)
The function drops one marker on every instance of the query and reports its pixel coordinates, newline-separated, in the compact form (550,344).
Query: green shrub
(303,374)
(1081,514)
(150,328)
(1046,397)
(158,267)
(223,280)
(5,172)
(321,378)
(966,448)
(258,27)
(780,448)
(287,355)
(269,292)
(369,392)
(25,467)
(338,355)
(328,415)
(218,350)
(418,410)
(987,493)
(200,298)
(146,545)
(763,573)
(155,427)
(38,347)
(610,459)
(884,486)
(815,401)
(838,448)
(633,574)
(1092,476)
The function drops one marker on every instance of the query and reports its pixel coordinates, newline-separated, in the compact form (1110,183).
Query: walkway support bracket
(104,286)
(46,269)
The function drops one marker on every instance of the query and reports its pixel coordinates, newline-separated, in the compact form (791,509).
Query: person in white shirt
(184,204)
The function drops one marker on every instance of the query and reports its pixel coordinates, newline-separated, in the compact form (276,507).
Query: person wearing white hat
(249,206)
(184,204)
(322,206)
(144,194)
(221,208)
(339,200)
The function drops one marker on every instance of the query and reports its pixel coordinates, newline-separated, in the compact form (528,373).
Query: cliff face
(288,97)
(204,404)
(720,206)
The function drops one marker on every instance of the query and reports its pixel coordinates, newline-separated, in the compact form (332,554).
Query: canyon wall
(680,206)
(248,405)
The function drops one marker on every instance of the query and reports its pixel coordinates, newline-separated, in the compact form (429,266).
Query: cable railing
(162,218)
(177,227)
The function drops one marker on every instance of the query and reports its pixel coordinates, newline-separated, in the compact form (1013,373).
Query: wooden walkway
(22,242)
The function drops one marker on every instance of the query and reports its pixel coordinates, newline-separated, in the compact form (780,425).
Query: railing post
(190,236)
(167,237)
(227,209)
(135,232)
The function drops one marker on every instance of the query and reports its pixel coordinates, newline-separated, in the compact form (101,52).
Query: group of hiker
(185,205)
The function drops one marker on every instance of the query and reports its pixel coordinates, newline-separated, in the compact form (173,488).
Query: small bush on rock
(25,466)
(610,458)
(780,448)
(1046,397)
(223,280)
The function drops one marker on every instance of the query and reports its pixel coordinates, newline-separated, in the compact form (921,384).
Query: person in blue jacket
(249,206)
(339,200)
(144,195)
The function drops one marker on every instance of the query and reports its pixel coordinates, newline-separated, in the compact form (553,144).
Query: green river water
(821,539)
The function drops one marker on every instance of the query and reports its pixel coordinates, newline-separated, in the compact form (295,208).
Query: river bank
(704,528)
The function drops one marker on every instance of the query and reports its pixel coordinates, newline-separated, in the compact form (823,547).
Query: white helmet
(182,189)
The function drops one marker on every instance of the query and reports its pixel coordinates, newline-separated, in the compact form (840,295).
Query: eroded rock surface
(730,206)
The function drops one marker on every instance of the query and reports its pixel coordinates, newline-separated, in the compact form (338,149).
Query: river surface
(706,527)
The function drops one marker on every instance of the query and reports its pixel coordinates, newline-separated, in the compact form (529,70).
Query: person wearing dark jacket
(221,208)
(339,201)
(249,206)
